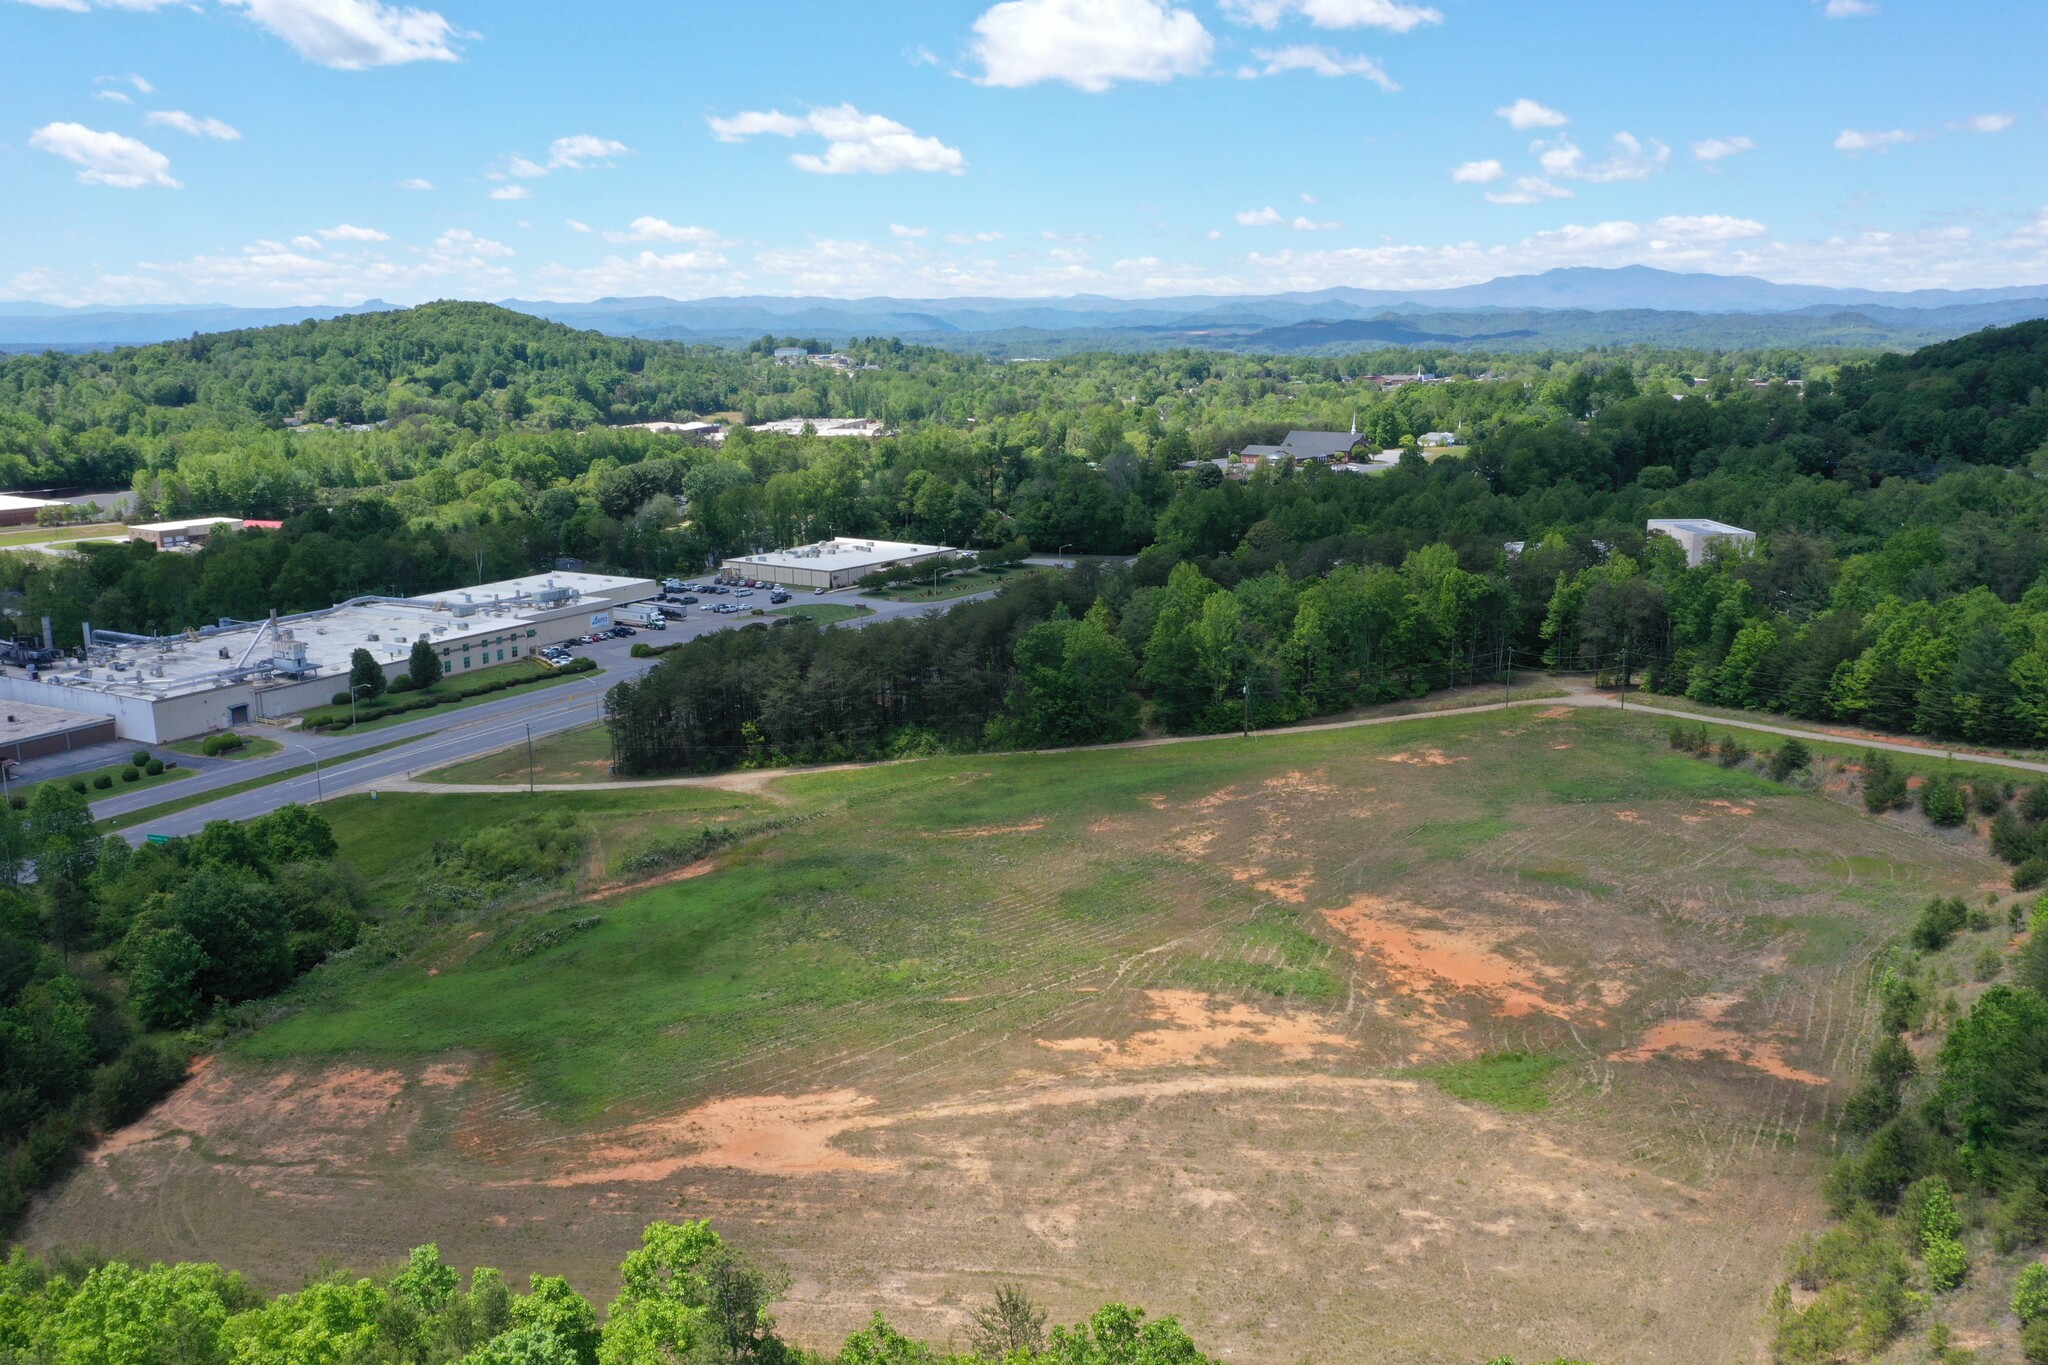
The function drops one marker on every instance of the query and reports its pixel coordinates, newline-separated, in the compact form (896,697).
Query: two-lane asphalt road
(433,740)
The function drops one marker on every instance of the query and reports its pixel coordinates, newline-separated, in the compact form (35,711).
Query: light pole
(352,691)
(1063,550)
(317,793)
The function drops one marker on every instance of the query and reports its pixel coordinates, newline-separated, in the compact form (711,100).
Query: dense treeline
(685,1295)
(1898,509)
(1890,588)
(113,950)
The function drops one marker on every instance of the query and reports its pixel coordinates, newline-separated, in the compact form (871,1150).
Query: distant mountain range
(1565,308)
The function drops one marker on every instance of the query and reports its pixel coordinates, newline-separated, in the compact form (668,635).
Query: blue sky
(329,151)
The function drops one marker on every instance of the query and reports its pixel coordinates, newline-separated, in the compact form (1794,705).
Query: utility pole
(1624,678)
(529,759)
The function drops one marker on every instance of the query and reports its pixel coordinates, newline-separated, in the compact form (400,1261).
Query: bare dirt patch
(1200,1028)
(1432,965)
(1705,1037)
(763,1134)
(1424,758)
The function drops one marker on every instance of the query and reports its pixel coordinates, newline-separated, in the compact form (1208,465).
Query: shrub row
(447,690)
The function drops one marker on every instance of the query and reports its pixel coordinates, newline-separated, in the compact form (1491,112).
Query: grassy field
(1510,1033)
(460,691)
(957,585)
(825,613)
(580,755)
(253,746)
(115,824)
(16,536)
(112,772)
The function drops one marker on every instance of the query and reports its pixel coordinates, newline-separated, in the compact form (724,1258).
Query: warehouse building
(833,563)
(1698,535)
(158,689)
(18,509)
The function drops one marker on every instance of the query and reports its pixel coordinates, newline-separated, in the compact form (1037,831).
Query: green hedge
(454,688)
(226,741)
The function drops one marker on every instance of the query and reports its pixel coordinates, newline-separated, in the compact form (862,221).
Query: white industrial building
(833,563)
(1698,535)
(158,689)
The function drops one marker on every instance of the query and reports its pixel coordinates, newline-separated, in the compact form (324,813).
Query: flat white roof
(18,502)
(1699,526)
(546,588)
(186,524)
(843,554)
(185,664)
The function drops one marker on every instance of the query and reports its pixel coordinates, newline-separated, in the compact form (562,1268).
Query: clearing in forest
(1185,1025)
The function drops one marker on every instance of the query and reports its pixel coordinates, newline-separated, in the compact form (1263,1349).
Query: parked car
(817,592)
(744,592)
(688,600)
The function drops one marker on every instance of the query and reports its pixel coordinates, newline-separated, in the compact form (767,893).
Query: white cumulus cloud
(1631,159)
(511,193)
(354,35)
(1528,189)
(105,158)
(1708,227)
(1714,149)
(898,230)
(1990,123)
(1311,225)
(1265,217)
(463,242)
(1882,140)
(349,232)
(1477,172)
(197,127)
(1525,114)
(650,229)
(1849,9)
(855,143)
(1386,14)
(1320,60)
(415,183)
(1089,44)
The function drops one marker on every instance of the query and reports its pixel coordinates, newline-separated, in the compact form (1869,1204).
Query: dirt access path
(757,781)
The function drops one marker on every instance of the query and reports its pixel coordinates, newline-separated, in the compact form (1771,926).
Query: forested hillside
(1897,501)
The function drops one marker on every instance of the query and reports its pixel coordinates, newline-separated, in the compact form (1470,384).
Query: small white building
(864,428)
(833,563)
(1432,440)
(1698,534)
(791,355)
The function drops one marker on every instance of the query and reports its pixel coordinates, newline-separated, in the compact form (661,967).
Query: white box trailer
(643,614)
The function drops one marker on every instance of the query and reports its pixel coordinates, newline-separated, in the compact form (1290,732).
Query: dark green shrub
(78,785)
(1940,920)
(1884,786)
(227,741)
(1989,798)
(18,802)
(1901,1004)
(2030,874)
(2034,803)
(139,1077)
(104,781)
(155,767)
(139,758)
(402,683)
(131,774)
(1942,803)
(2034,1342)
(1789,758)
(338,699)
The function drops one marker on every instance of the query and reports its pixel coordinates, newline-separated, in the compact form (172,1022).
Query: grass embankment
(893,896)
(956,585)
(449,694)
(114,785)
(115,824)
(253,746)
(1308,989)
(824,613)
(18,536)
(580,755)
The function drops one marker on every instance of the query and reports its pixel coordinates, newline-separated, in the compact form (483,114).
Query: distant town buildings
(867,428)
(1698,535)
